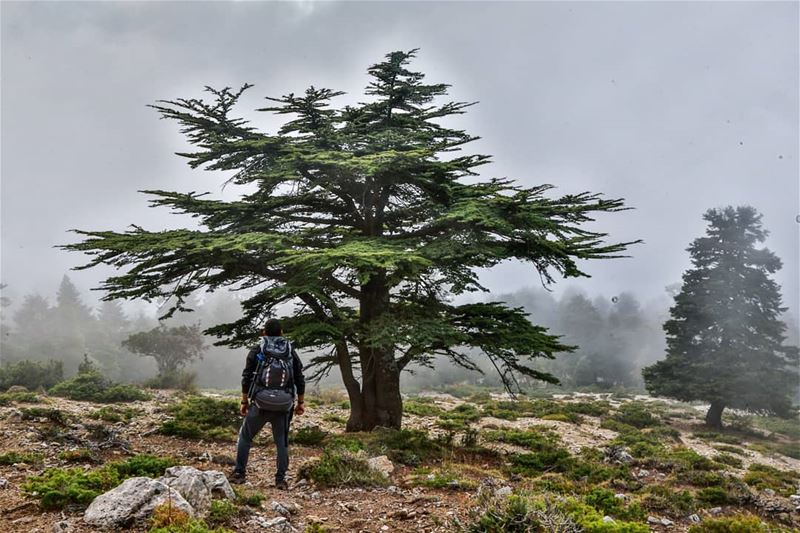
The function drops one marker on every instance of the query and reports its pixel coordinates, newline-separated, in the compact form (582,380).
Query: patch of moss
(221,512)
(248,497)
(77,456)
(637,414)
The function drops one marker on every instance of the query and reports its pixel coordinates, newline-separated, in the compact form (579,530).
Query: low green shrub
(77,456)
(338,468)
(248,497)
(221,512)
(32,375)
(713,436)
(714,496)
(406,446)
(7,398)
(57,487)
(663,499)
(636,414)
(736,524)
(762,477)
(728,460)
(200,417)
(730,449)
(524,513)
(13,457)
(442,478)
(308,436)
(421,407)
(112,413)
(91,386)
(56,416)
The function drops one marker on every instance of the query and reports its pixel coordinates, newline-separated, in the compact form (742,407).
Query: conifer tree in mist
(725,338)
(369,219)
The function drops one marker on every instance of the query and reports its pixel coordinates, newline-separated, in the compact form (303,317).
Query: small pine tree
(725,340)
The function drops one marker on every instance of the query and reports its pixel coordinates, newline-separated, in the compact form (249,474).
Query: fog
(676,107)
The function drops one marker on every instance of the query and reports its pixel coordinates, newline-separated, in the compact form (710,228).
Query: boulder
(381,464)
(134,499)
(198,487)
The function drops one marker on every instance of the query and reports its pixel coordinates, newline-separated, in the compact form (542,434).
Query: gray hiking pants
(253,422)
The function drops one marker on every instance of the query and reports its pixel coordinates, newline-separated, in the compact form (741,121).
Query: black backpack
(275,380)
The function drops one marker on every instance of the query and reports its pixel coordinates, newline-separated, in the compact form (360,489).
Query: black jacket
(250,366)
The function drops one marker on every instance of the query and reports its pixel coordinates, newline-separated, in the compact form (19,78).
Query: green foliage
(78,455)
(421,408)
(56,416)
(727,438)
(728,460)
(339,468)
(6,398)
(111,413)
(221,511)
(315,527)
(525,513)
(200,417)
(406,446)
(58,487)
(730,449)
(762,477)
(662,498)
(308,436)
(362,212)
(248,497)
(32,375)
(448,477)
(93,387)
(735,524)
(714,496)
(636,414)
(13,457)
(728,300)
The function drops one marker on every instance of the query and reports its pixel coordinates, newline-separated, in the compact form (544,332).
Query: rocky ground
(402,506)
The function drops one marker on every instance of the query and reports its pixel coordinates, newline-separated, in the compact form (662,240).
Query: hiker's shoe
(281,484)
(237,478)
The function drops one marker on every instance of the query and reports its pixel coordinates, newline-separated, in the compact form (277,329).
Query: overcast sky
(676,107)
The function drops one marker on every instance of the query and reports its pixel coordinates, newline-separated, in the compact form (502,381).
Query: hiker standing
(272,373)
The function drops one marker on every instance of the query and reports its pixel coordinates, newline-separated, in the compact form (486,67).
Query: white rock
(279,524)
(653,520)
(715,510)
(666,522)
(132,500)
(694,518)
(503,492)
(316,496)
(198,487)
(280,509)
(608,519)
(620,496)
(769,492)
(62,526)
(3,483)
(382,464)
(795,497)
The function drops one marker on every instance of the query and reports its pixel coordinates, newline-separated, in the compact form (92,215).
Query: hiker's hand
(243,408)
(300,409)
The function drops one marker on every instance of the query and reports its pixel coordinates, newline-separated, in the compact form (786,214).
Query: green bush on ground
(200,417)
(339,468)
(57,487)
(91,386)
(31,374)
